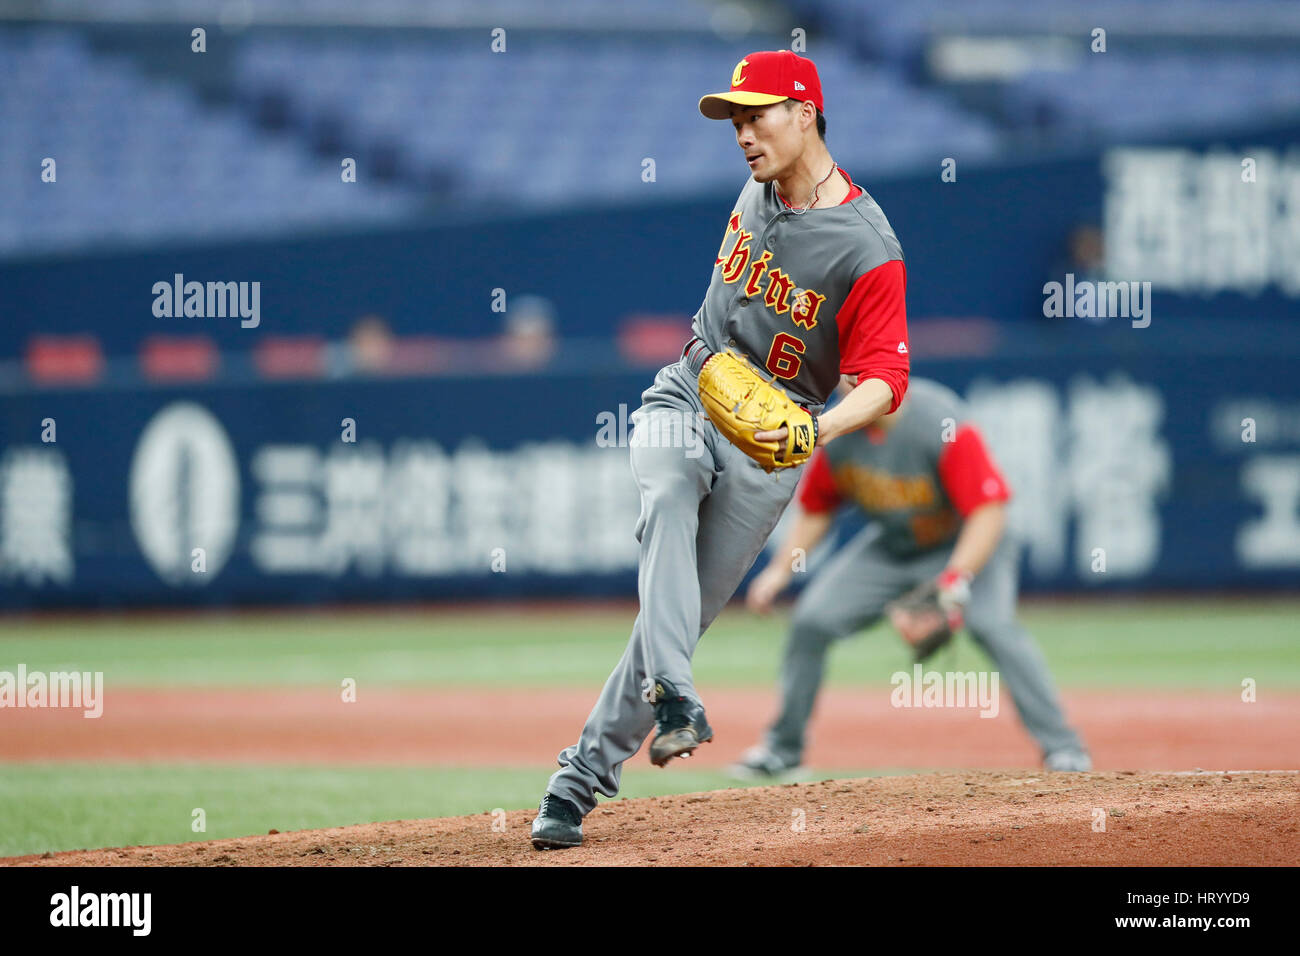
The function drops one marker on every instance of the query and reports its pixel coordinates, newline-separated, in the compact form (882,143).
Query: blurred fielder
(808,285)
(933,557)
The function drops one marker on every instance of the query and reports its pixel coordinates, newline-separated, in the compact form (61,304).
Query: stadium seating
(895,31)
(149,152)
(662,14)
(557,122)
(64,359)
(179,358)
(1117,96)
(139,159)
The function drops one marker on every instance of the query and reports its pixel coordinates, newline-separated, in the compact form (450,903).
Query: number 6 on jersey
(784,359)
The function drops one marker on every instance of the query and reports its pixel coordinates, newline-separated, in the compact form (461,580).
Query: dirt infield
(1126,730)
(992,818)
(968,817)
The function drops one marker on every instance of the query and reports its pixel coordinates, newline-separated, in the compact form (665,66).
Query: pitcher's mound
(999,818)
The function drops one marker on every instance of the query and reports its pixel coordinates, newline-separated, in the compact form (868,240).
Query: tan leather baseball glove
(740,402)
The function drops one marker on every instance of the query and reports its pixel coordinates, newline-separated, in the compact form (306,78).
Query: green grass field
(1182,644)
(1106,644)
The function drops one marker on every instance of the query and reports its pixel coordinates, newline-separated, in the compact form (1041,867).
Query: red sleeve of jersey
(968,472)
(873,328)
(895,378)
(817,491)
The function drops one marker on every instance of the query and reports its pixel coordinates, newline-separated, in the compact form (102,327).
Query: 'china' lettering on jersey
(777,289)
(881,491)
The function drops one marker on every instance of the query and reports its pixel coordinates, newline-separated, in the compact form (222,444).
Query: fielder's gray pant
(706,512)
(850,594)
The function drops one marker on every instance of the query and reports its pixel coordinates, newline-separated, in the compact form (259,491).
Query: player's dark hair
(821,118)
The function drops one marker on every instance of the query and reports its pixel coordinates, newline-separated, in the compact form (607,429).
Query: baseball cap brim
(717,106)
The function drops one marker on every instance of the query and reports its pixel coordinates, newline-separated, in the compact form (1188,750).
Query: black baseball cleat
(558,824)
(680,724)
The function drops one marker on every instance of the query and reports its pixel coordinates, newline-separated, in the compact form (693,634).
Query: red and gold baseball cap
(768,76)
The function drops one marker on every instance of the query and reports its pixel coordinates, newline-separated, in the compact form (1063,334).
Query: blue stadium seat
(145,160)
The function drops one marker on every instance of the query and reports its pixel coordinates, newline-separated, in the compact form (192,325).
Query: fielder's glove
(741,402)
(927,616)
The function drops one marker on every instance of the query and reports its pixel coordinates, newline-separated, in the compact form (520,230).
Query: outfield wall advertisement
(1170,473)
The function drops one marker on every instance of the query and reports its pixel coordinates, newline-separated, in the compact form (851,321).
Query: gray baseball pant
(850,594)
(706,511)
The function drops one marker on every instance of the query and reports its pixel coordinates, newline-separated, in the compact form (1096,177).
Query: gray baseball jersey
(895,478)
(788,292)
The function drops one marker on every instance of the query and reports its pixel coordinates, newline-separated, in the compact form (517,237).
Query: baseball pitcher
(934,557)
(807,286)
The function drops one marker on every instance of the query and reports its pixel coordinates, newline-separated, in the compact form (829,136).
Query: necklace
(813,199)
